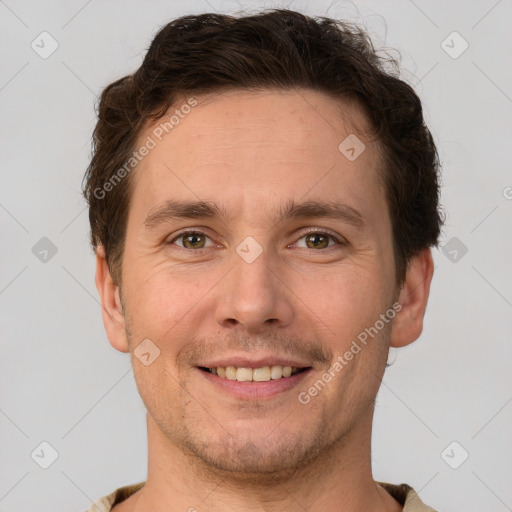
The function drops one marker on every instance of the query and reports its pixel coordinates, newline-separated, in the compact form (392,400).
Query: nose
(255,296)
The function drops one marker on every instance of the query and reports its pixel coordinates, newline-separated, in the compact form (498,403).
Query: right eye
(191,239)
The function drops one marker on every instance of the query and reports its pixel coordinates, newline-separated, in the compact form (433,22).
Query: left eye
(317,240)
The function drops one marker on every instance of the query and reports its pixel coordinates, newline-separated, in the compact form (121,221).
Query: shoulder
(107,503)
(406,496)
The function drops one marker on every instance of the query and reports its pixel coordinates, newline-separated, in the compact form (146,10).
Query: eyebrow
(179,209)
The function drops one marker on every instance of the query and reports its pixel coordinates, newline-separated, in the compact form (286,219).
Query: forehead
(258,146)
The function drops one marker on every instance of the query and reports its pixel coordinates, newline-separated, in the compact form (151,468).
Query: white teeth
(230,372)
(276,372)
(243,374)
(263,374)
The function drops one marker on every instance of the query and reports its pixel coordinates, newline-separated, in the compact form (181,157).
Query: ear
(408,323)
(111,308)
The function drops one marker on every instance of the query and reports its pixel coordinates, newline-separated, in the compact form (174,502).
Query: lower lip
(255,390)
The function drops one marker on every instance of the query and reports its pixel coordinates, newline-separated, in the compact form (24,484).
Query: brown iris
(190,240)
(314,238)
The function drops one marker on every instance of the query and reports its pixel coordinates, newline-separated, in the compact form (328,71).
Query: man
(263,199)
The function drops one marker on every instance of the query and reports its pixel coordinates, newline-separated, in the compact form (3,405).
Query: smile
(254,383)
(262,374)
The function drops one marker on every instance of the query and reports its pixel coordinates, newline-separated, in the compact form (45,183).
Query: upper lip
(255,362)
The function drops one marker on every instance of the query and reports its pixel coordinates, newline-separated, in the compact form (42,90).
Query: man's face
(251,285)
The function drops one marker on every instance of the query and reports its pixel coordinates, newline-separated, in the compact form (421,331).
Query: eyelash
(197,232)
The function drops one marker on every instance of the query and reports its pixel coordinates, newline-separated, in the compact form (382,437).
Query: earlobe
(112,310)
(408,323)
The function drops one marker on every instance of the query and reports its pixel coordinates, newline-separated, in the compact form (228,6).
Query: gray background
(62,383)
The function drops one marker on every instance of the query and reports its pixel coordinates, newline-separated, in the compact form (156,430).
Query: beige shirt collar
(403,493)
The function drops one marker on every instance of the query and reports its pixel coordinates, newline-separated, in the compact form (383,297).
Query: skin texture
(251,153)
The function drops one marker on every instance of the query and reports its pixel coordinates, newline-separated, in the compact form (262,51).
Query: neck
(337,479)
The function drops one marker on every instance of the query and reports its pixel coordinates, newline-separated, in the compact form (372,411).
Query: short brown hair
(283,49)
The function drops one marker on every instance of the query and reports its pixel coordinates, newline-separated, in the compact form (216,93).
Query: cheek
(162,305)
(166,303)
(343,301)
